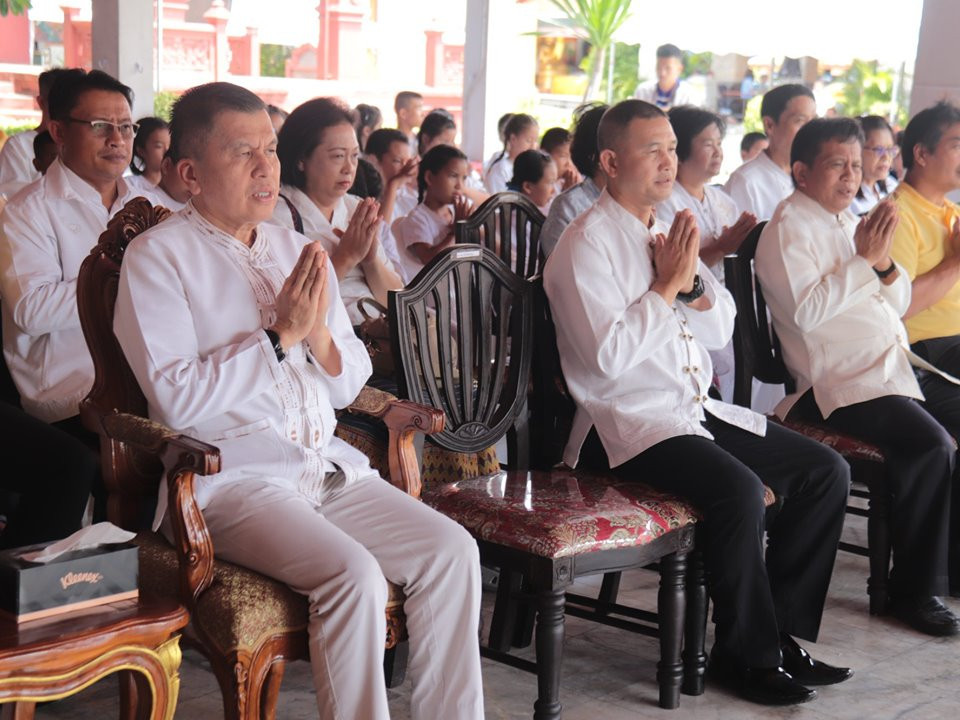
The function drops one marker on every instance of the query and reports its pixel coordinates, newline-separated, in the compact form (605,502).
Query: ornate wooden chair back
(509,224)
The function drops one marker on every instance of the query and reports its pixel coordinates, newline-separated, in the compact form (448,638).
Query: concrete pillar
(219,16)
(123,46)
(476,80)
(937,72)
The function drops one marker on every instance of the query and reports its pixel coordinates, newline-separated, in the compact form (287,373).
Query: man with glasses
(46,231)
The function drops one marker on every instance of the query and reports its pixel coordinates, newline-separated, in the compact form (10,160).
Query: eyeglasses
(879,151)
(105,128)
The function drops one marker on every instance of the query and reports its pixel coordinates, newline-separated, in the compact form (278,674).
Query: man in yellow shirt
(926,244)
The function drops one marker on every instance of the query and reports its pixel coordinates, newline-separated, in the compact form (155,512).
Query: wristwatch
(275,342)
(697,291)
(886,273)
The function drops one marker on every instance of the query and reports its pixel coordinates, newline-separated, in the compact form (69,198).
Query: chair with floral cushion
(757,355)
(246,624)
(547,527)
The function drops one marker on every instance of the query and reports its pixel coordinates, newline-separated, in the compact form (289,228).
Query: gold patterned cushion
(442,466)
(242,608)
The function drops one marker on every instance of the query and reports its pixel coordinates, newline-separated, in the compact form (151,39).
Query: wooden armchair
(246,624)
(548,527)
(509,224)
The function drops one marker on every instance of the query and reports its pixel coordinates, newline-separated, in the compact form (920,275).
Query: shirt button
(696,369)
(686,368)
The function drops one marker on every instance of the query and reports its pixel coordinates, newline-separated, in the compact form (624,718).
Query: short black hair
(926,128)
(528,166)
(70,85)
(366,116)
(584,151)
(367,182)
(502,123)
(688,122)
(148,126)
(775,101)
(404,98)
(669,51)
(195,112)
(517,123)
(47,78)
(872,123)
(274,111)
(616,119)
(812,136)
(303,131)
(751,139)
(436,122)
(379,142)
(41,140)
(434,161)
(554,138)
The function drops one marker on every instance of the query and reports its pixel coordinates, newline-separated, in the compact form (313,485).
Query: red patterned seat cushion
(560,513)
(850,447)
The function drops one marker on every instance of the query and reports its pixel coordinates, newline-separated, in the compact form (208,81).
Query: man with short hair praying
(635,312)
(236,333)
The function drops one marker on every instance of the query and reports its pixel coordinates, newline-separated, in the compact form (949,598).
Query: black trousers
(755,600)
(52,472)
(921,459)
(943,402)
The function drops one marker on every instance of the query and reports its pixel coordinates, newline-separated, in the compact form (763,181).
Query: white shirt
(683,95)
(498,175)
(163,198)
(716,211)
(46,231)
(354,285)
(839,326)
(191,308)
(403,205)
(637,367)
(566,206)
(16,163)
(758,186)
(422,225)
(140,184)
(872,196)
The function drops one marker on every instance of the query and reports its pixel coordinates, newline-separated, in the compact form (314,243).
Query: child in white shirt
(520,133)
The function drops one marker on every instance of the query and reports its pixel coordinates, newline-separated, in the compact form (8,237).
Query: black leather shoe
(765,686)
(807,671)
(925,613)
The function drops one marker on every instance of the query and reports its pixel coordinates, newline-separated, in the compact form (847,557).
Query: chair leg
(17,711)
(609,590)
(270,693)
(550,604)
(878,542)
(136,698)
(395,664)
(695,633)
(505,610)
(671,603)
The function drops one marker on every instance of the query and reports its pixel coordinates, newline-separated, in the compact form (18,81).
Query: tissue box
(73,581)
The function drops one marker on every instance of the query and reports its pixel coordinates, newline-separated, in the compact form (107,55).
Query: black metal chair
(548,527)
(757,355)
(506,216)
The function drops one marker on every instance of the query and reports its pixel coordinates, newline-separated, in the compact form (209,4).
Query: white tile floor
(608,674)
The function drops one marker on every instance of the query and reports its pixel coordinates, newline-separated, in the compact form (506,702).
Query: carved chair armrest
(183,459)
(404,419)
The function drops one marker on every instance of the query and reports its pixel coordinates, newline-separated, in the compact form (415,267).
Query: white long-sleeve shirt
(16,163)
(839,325)
(565,207)
(758,186)
(637,368)
(354,285)
(191,308)
(46,231)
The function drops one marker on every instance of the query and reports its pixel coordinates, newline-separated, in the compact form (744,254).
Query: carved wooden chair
(757,355)
(508,216)
(547,527)
(246,624)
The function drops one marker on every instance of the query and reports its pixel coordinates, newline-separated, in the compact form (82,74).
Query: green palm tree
(16,7)
(596,21)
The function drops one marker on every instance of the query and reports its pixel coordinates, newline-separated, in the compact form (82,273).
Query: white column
(123,39)
(475,79)
(936,74)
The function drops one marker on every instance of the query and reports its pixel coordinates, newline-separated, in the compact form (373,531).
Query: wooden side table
(56,657)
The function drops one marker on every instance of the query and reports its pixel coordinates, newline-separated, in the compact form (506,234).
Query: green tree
(14,7)
(273,59)
(163,103)
(868,90)
(596,21)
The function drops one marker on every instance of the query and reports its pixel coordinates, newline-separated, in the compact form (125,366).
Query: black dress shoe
(807,671)
(765,686)
(925,613)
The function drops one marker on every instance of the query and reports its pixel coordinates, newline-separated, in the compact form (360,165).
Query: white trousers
(338,554)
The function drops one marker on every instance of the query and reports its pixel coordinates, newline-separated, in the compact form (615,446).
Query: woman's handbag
(375,333)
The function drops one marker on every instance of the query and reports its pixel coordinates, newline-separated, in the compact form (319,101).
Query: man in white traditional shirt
(760,184)
(635,312)
(667,90)
(46,231)
(836,298)
(234,329)
(16,156)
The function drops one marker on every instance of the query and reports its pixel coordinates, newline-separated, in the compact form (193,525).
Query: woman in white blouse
(318,152)
(879,152)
